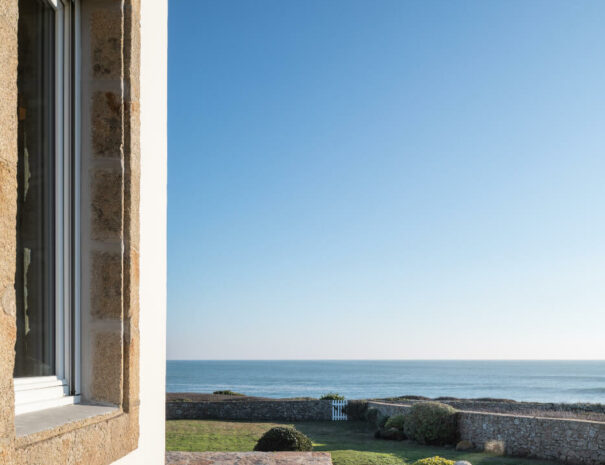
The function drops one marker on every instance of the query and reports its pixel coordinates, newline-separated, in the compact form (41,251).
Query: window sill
(59,420)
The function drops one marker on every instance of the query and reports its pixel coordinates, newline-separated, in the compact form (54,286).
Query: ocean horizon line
(385,360)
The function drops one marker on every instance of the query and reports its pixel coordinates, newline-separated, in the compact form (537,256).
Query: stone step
(248,458)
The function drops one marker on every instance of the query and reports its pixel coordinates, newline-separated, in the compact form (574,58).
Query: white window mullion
(67,187)
(59,195)
(75,279)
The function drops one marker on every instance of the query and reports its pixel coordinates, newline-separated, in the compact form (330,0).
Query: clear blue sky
(386,179)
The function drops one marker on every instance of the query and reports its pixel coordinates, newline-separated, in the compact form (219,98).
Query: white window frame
(42,392)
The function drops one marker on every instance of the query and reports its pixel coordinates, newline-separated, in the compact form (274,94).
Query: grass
(350,442)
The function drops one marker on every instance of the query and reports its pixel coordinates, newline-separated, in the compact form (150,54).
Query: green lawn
(350,442)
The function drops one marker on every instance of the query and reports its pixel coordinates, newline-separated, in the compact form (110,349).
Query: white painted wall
(154,54)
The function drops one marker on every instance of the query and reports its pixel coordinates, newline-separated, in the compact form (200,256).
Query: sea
(540,381)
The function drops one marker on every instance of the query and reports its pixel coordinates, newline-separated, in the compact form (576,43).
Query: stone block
(107,379)
(9,14)
(107,124)
(131,370)
(106,43)
(107,203)
(40,453)
(106,285)
(465,445)
(132,292)
(8,223)
(8,84)
(98,434)
(248,458)
(494,447)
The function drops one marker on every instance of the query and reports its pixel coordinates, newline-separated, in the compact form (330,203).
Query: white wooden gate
(338,410)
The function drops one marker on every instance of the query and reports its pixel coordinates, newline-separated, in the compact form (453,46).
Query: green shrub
(375,418)
(396,421)
(412,398)
(372,415)
(228,393)
(282,438)
(431,423)
(356,409)
(434,461)
(332,396)
(392,434)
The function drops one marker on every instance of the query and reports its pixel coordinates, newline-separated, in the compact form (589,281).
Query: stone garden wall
(389,409)
(570,441)
(279,410)
(528,408)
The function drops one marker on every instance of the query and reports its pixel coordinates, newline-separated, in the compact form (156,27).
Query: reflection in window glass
(35,348)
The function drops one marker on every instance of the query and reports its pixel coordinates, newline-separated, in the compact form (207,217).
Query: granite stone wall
(279,410)
(570,441)
(577,442)
(389,409)
(525,408)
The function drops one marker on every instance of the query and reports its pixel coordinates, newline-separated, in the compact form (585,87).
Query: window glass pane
(35,348)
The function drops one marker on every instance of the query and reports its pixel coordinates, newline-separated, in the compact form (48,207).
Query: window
(47,277)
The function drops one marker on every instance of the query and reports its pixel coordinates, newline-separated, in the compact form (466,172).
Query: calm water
(551,381)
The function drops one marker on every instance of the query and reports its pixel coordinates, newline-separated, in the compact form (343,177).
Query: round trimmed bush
(434,461)
(396,421)
(282,438)
(431,423)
